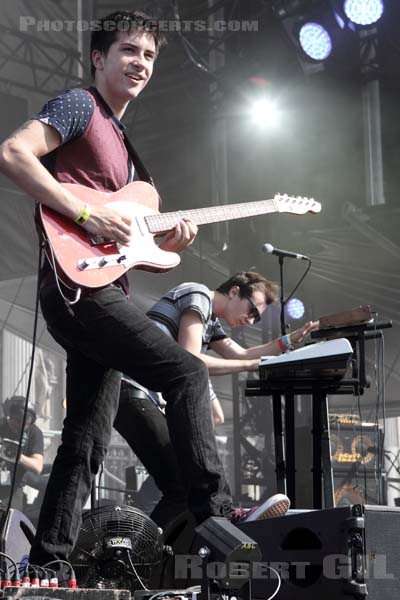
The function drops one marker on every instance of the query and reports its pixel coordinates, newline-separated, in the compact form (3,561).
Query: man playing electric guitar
(78,138)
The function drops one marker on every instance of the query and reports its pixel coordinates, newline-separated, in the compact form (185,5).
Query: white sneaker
(275,506)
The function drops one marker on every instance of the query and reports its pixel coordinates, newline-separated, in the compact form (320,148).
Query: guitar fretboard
(161,223)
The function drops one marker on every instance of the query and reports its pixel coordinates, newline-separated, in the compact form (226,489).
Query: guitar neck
(161,223)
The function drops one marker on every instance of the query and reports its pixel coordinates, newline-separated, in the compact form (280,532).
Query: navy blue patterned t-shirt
(69,113)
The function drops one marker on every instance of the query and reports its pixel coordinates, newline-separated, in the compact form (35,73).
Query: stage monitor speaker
(334,554)
(16,535)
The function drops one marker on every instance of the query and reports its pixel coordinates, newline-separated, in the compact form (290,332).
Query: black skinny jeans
(104,335)
(145,428)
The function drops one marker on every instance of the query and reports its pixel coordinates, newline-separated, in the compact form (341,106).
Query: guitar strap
(140,169)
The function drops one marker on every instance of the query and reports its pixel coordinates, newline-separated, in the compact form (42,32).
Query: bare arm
(19,160)
(217,412)
(33,462)
(190,337)
(230,349)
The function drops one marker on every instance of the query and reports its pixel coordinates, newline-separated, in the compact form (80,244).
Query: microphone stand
(281,297)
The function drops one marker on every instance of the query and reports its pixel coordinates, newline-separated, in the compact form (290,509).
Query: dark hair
(15,407)
(248,282)
(107,30)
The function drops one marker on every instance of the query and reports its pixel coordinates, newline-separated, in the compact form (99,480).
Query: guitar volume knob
(83,264)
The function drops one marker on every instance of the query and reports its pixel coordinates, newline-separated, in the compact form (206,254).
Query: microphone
(269,249)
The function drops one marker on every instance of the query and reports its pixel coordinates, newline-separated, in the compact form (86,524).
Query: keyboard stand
(287,386)
(284,433)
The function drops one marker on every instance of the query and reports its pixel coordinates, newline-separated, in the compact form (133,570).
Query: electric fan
(118,548)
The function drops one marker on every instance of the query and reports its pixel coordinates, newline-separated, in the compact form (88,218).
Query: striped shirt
(167,314)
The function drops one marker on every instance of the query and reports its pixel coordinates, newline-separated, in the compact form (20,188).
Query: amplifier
(355,481)
(359,488)
(355,444)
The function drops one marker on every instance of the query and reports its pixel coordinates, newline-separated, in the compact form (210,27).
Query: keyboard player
(193,315)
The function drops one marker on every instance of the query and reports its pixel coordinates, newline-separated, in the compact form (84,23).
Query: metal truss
(37,65)
(42,55)
(370,67)
(253,456)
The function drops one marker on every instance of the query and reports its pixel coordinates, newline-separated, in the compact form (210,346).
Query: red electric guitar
(84,260)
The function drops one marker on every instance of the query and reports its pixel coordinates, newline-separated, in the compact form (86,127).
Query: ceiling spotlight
(315,41)
(295,308)
(363,12)
(264,112)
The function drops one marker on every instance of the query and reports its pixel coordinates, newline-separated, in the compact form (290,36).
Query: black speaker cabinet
(350,552)
(333,554)
(16,535)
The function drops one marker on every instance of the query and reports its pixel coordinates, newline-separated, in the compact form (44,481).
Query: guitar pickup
(101,262)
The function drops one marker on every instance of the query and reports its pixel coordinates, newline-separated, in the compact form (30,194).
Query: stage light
(264,112)
(363,12)
(295,308)
(315,41)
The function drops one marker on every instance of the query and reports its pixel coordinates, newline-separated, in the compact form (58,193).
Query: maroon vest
(98,158)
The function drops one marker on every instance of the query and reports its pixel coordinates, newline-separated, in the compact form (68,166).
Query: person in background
(31,456)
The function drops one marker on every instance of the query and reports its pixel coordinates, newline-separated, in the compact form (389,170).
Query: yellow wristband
(83,215)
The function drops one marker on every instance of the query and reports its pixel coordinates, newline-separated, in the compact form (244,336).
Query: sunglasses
(253,313)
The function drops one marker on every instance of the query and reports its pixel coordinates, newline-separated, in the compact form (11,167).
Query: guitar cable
(78,290)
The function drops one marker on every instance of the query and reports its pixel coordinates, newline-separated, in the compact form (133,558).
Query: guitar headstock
(298,205)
